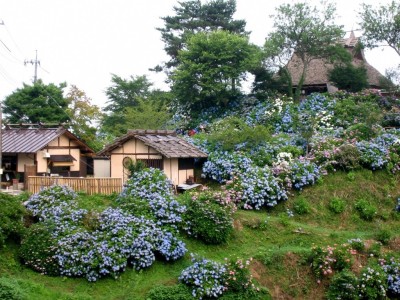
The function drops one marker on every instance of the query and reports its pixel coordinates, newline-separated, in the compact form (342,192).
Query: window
(153,163)
(186,163)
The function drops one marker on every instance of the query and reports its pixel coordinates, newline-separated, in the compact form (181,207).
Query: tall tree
(192,17)
(37,103)
(212,68)
(381,25)
(125,92)
(85,117)
(304,31)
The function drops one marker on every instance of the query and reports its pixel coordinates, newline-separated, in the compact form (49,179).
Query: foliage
(239,278)
(11,214)
(365,209)
(357,244)
(307,31)
(211,69)
(205,277)
(304,173)
(326,260)
(372,282)
(10,290)
(37,103)
(148,193)
(383,236)
(391,267)
(207,219)
(193,16)
(337,205)
(380,25)
(175,292)
(343,286)
(84,116)
(301,206)
(76,242)
(349,77)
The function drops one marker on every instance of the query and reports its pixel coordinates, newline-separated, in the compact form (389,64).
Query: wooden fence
(105,186)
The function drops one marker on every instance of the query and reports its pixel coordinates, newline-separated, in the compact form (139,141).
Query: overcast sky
(83,42)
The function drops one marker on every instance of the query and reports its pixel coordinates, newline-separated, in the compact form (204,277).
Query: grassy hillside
(280,244)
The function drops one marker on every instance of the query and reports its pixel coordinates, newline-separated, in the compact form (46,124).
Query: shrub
(205,278)
(38,249)
(365,210)
(11,214)
(384,236)
(347,157)
(337,205)
(301,206)
(357,244)
(208,220)
(239,278)
(373,155)
(10,290)
(304,173)
(175,292)
(397,208)
(392,270)
(372,283)
(343,286)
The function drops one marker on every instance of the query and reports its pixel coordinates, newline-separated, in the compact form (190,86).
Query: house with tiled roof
(161,149)
(36,150)
(317,75)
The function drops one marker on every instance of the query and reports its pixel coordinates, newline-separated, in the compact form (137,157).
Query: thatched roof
(317,73)
(164,141)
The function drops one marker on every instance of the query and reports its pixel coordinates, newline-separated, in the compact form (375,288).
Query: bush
(208,220)
(337,205)
(392,270)
(343,286)
(357,244)
(206,278)
(11,215)
(10,290)
(347,157)
(384,236)
(372,283)
(304,173)
(365,210)
(175,292)
(301,206)
(38,249)
(239,278)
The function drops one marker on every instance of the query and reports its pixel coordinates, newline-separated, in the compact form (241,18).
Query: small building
(317,74)
(31,150)
(161,149)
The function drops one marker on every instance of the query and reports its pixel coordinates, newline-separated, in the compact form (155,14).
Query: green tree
(85,117)
(37,103)
(381,25)
(125,92)
(349,77)
(192,17)
(304,31)
(212,68)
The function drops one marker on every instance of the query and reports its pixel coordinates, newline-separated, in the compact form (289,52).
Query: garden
(299,200)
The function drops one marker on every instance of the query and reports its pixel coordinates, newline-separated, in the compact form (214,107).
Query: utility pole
(35,62)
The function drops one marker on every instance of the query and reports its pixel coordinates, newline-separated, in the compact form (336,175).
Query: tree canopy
(381,25)
(192,17)
(212,67)
(37,103)
(304,31)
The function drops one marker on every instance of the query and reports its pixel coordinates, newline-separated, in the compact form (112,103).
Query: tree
(303,31)
(381,25)
(85,117)
(37,103)
(193,17)
(125,92)
(211,69)
(348,77)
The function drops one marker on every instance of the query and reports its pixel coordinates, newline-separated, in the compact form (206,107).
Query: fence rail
(105,186)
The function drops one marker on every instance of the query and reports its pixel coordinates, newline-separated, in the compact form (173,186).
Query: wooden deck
(104,186)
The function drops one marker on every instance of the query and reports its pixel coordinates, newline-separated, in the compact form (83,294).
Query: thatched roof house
(317,74)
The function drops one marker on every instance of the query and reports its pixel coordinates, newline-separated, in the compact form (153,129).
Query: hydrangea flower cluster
(392,270)
(94,245)
(373,155)
(151,188)
(372,283)
(304,172)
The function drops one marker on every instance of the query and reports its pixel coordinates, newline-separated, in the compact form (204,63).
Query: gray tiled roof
(31,140)
(164,141)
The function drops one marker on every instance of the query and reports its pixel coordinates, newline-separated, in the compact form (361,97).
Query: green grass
(279,244)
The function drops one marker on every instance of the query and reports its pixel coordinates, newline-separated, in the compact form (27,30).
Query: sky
(84,42)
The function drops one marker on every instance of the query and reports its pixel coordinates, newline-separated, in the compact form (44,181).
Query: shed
(161,149)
